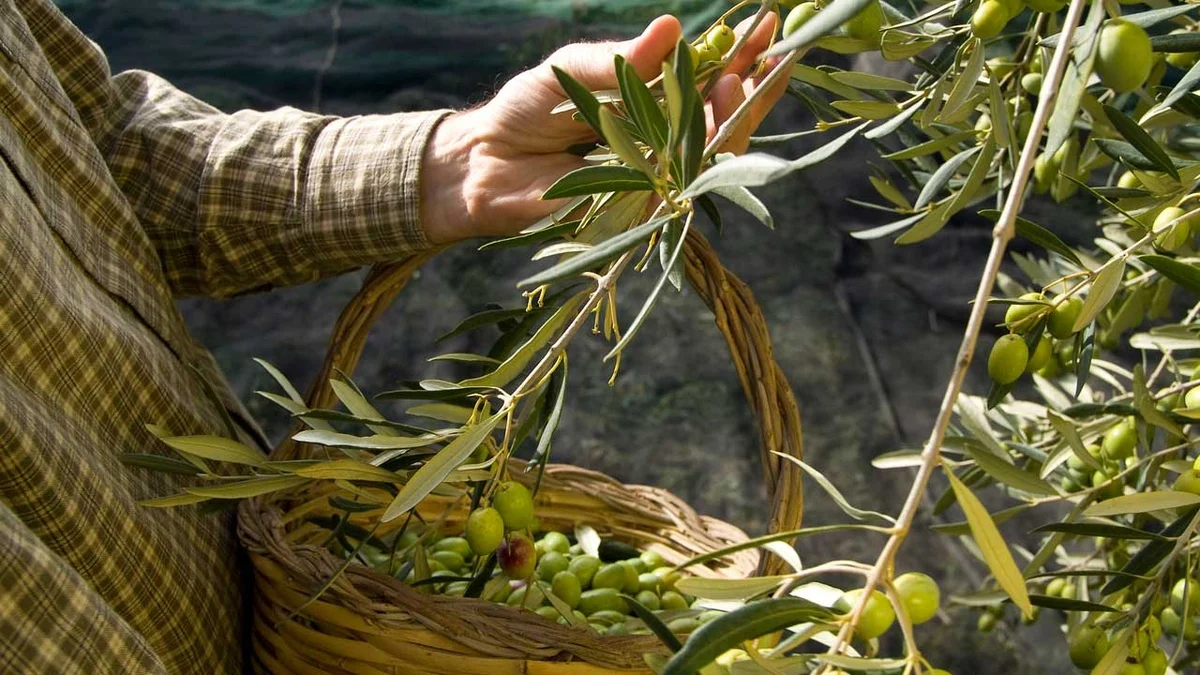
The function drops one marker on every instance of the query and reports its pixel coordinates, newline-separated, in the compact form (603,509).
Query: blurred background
(866,332)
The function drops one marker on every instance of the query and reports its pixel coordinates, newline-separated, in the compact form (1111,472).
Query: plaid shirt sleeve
(249,200)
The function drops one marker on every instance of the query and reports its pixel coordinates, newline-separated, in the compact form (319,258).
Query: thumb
(592,63)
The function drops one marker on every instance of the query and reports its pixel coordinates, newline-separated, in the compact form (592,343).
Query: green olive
(547,612)
(798,16)
(673,600)
(876,617)
(456,544)
(1088,646)
(1042,353)
(1061,323)
(1111,488)
(611,575)
(866,24)
(1172,230)
(631,583)
(1188,481)
(1124,56)
(1192,400)
(584,567)
(1031,83)
(988,20)
(683,626)
(986,623)
(1155,661)
(706,53)
(920,595)
(720,38)
(649,581)
(515,505)
(1120,441)
(599,599)
(551,564)
(567,588)
(1129,181)
(1055,587)
(485,530)
(1017,315)
(1008,358)
(1186,591)
(1045,171)
(556,541)
(450,559)
(649,600)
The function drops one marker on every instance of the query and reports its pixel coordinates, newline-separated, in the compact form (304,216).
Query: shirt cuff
(362,193)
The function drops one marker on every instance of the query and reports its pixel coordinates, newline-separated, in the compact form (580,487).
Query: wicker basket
(367,622)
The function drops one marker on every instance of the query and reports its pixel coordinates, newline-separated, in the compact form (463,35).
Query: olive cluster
(593,587)
(1012,357)
(1113,454)
(865,26)
(713,45)
(919,594)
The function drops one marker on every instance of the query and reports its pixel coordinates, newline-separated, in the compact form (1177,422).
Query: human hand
(485,170)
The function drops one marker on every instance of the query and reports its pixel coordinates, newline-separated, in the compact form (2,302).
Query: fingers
(759,40)
(592,64)
(768,98)
(727,95)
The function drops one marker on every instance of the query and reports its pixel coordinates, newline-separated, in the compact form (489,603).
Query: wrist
(445,164)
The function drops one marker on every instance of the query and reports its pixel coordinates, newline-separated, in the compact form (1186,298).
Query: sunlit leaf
(431,474)
(246,488)
(992,545)
(1104,286)
(217,449)
(1142,502)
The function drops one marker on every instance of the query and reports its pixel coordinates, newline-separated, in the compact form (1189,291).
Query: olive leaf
(859,663)
(585,102)
(639,103)
(1186,84)
(246,488)
(348,469)
(1104,287)
(1142,502)
(601,253)
(433,472)
(728,589)
(172,501)
(217,449)
(750,203)
(596,179)
(1036,234)
(755,169)
(515,364)
(337,439)
(933,145)
(991,544)
(1099,529)
(1141,141)
(157,463)
(1186,275)
(745,623)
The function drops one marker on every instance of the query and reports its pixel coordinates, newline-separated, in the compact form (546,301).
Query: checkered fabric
(118,193)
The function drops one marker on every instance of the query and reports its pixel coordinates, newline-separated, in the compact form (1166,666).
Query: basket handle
(738,317)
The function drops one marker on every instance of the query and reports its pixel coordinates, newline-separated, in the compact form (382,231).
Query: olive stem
(781,69)
(1001,235)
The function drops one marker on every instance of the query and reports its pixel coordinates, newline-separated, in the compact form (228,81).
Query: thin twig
(1001,235)
(782,69)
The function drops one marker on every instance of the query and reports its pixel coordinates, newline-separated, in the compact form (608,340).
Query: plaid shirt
(118,193)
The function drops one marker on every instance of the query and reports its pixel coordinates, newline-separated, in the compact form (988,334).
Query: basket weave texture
(370,623)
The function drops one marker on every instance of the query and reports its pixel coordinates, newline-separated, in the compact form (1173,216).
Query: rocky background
(866,332)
